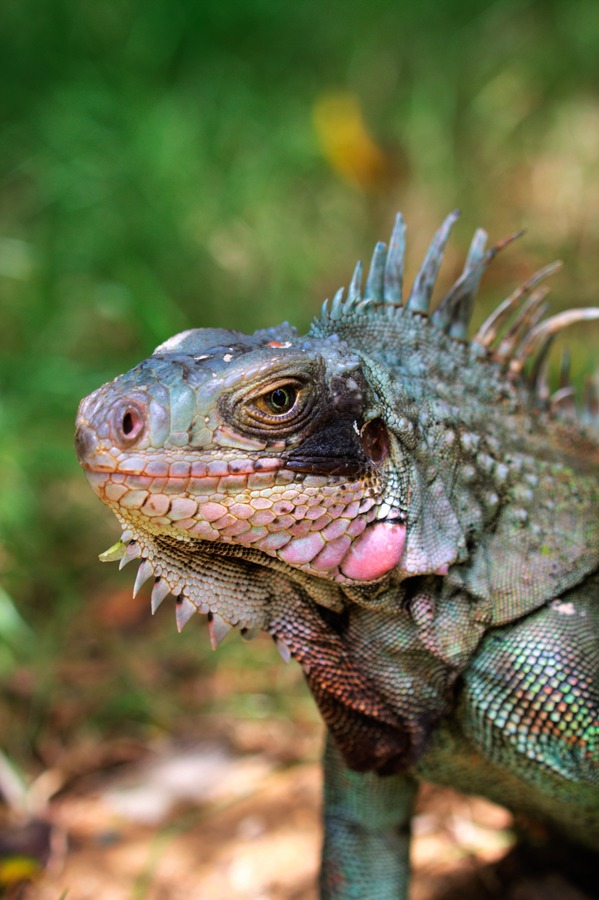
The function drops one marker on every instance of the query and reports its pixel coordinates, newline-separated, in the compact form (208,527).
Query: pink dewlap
(375,552)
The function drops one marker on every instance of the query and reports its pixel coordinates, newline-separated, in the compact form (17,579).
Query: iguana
(410,514)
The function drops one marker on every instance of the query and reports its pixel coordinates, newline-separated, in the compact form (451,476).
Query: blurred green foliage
(167,164)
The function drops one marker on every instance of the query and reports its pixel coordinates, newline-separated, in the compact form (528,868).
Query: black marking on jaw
(335,444)
(332,449)
(339,447)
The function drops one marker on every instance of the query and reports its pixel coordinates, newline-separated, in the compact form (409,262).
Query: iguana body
(413,521)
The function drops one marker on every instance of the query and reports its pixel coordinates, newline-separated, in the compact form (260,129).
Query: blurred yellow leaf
(18,868)
(346,143)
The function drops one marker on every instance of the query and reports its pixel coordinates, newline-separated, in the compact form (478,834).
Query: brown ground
(231,812)
(207,822)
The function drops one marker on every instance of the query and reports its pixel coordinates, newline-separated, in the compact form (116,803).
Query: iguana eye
(279,401)
(279,406)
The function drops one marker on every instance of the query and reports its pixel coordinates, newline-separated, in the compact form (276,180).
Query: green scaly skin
(409,515)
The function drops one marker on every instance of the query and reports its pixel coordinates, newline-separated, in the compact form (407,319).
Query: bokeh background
(168,164)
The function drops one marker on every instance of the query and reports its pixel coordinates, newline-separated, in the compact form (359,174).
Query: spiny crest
(516,335)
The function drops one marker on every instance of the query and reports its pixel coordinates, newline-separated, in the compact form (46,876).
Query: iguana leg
(529,709)
(367,833)
(532,692)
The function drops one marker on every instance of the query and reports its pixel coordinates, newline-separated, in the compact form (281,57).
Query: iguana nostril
(128,424)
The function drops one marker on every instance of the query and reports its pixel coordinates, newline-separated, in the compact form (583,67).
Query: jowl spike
(117,551)
(133,551)
(144,572)
(159,592)
(184,610)
(218,629)
(283,649)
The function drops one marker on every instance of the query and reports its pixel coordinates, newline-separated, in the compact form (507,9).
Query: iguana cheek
(376,552)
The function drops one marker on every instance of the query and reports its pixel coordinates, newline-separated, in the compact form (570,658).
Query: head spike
(537,336)
(564,370)
(375,283)
(590,407)
(422,289)
(543,391)
(530,314)
(563,402)
(394,266)
(337,304)
(491,327)
(537,377)
(455,309)
(355,287)
(476,251)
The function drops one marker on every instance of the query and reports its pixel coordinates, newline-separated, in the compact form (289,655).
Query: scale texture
(410,513)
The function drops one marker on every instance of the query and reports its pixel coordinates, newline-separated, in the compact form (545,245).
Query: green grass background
(168,164)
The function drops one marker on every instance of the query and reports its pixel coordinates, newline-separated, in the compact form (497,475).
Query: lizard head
(282,452)
(261,448)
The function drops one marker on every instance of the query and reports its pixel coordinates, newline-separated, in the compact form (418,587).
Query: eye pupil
(127,423)
(282,399)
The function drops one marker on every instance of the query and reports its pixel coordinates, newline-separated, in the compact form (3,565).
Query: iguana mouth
(335,525)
